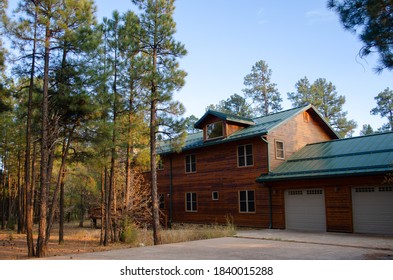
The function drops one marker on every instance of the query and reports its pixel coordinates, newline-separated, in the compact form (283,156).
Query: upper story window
(245,155)
(190,164)
(280,152)
(214,130)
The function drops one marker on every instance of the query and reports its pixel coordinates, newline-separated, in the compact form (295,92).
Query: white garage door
(305,210)
(373,209)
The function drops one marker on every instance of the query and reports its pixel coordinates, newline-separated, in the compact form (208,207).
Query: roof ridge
(229,114)
(291,109)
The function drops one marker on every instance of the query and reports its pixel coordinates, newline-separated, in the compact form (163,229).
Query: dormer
(217,125)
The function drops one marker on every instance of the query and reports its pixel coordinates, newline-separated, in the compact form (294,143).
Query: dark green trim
(306,176)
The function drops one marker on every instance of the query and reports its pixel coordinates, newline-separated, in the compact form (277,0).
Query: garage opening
(372,208)
(305,209)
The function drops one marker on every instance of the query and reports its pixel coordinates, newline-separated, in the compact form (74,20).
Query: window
(246,201)
(214,130)
(191,202)
(190,164)
(306,117)
(244,155)
(160,164)
(214,195)
(280,153)
(161,198)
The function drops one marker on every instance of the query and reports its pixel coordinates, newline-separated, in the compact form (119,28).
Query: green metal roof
(224,116)
(343,157)
(257,127)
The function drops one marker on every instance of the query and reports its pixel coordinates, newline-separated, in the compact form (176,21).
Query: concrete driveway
(260,245)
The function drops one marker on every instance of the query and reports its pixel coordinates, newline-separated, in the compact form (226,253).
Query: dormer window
(214,130)
(218,125)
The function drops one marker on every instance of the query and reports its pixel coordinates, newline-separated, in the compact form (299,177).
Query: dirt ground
(13,246)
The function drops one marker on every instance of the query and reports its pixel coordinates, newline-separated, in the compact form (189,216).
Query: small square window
(280,152)
(214,195)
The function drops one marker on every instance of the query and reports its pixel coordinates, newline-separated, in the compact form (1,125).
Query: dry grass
(83,240)
(182,233)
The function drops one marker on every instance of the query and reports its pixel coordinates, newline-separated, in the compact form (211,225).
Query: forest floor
(13,246)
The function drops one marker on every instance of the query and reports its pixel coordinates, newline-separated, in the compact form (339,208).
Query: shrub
(129,232)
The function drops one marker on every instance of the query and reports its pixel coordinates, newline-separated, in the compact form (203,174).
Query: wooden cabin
(213,178)
(254,173)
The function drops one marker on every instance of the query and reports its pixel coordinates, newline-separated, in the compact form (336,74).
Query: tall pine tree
(262,92)
(324,97)
(162,78)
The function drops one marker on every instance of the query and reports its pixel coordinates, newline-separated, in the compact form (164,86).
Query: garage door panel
(305,210)
(373,209)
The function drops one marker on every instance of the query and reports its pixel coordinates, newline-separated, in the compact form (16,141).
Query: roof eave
(308,176)
(215,142)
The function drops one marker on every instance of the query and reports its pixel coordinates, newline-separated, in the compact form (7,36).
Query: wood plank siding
(338,199)
(303,129)
(217,170)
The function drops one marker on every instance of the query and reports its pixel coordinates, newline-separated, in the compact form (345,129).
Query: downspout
(269,187)
(170,192)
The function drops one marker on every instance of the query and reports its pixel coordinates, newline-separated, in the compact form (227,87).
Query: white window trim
(190,164)
(196,200)
(245,156)
(276,149)
(247,200)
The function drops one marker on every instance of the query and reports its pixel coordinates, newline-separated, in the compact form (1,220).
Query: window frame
(161,201)
(245,155)
(281,150)
(191,164)
(160,164)
(212,124)
(247,202)
(192,203)
(213,195)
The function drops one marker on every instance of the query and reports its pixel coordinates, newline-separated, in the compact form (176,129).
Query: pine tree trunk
(130,150)
(107,211)
(153,158)
(41,246)
(66,147)
(112,188)
(153,144)
(61,218)
(102,206)
(5,183)
(21,198)
(28,172)
(4,194)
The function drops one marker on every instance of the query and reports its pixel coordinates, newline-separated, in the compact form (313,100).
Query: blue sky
(225,38)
